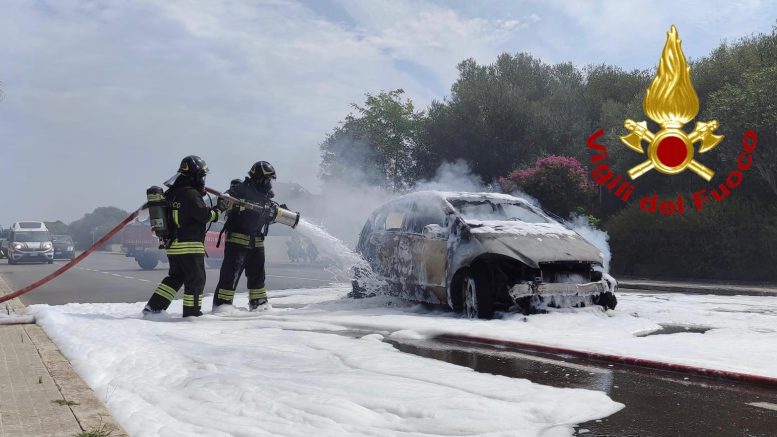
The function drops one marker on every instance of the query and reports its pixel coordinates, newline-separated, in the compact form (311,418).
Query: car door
(423,251)
(385,239)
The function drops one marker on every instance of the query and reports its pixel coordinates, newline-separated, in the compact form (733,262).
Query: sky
(104,98)
(317,363)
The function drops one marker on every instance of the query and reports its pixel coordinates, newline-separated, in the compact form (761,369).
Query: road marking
(113,274)
(764,405)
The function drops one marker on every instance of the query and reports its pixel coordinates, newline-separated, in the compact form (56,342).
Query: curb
(621,359)
(88,410)
(722,289)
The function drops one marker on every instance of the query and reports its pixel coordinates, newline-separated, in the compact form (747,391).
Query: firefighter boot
(258,304)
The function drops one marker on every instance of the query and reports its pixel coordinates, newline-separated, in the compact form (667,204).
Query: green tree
(95,224)
(505,115)
(57,227)
(751,104)
(376,144)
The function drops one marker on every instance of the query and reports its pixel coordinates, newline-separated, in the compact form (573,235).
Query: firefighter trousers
(187,271)
(237,258)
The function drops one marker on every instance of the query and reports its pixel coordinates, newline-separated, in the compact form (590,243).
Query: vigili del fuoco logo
(671,102)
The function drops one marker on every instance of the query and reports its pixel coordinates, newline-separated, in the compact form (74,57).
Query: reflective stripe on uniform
(238,238)
(165,291)
(214,215)
(257,293)
(225,294)
(186,248)
(188,300)
(244,240)
(175,218)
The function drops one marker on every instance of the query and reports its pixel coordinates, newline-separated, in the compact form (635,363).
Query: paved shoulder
(40,393)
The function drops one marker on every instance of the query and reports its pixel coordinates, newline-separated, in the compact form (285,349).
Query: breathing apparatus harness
(270,211)
(160,208)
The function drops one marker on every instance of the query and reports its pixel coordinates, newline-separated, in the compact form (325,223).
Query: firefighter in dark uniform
(245,231)
(186,251)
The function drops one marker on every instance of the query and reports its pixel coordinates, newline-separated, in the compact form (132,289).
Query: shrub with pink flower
(560,183)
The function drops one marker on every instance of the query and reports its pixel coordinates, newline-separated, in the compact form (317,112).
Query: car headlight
(47,245)
(18,246)
(70,248)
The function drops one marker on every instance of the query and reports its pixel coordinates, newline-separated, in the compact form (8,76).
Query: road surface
(108,277)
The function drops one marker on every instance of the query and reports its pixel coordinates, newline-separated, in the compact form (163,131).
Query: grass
(102,430)
(64,402)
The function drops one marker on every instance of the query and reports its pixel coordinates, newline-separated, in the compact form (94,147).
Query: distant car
(30,241)
(64,248)
(479,253)
(3,248)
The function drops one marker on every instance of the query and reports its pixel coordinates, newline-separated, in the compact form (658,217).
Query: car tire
(11,262)
(477,298)
(147,262)
(606,300)
(51,261)
(358,288)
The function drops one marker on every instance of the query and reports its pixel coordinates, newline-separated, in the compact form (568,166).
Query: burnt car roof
(448,196)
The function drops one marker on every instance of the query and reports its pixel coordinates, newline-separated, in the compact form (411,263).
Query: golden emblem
(671,102)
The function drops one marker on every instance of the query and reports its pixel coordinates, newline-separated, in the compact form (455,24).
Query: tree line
(521,123)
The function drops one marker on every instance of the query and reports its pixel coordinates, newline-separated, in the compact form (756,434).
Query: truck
(140,243)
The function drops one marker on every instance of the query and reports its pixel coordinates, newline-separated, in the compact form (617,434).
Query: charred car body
(479,253)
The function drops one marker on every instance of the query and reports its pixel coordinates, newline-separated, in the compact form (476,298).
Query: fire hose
(99,243)
(280,215)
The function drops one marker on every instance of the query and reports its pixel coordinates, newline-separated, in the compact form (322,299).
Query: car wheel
(477,297)
(51,261)
(11,262)
(606,300)
(358,284)
(147,262)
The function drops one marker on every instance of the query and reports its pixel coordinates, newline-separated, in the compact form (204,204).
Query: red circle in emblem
(671,151)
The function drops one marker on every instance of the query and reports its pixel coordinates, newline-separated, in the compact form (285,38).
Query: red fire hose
(620,359)
(76,260)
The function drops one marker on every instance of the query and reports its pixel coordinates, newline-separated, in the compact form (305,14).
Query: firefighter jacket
(189,216)
(245,225)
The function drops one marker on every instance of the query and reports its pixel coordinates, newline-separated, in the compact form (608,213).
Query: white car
(30,241)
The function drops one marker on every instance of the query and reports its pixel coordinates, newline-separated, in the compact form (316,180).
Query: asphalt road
(106,277)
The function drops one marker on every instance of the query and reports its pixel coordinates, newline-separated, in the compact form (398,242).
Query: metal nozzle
(286,217)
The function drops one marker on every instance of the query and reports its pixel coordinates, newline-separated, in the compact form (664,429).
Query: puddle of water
(676,329)
(699,406)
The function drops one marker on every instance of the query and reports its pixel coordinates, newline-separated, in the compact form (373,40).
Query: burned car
(479,253)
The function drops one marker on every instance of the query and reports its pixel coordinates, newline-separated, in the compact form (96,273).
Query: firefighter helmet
(194,168)
(262,172)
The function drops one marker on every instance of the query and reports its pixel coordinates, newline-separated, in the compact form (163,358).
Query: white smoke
(597,237)
(453,176)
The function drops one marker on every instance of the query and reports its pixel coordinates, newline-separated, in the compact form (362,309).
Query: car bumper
(30,256)
(64,254)
(519,291)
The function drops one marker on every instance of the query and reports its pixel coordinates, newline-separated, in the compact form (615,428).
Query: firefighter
(245,231)
(186,249)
